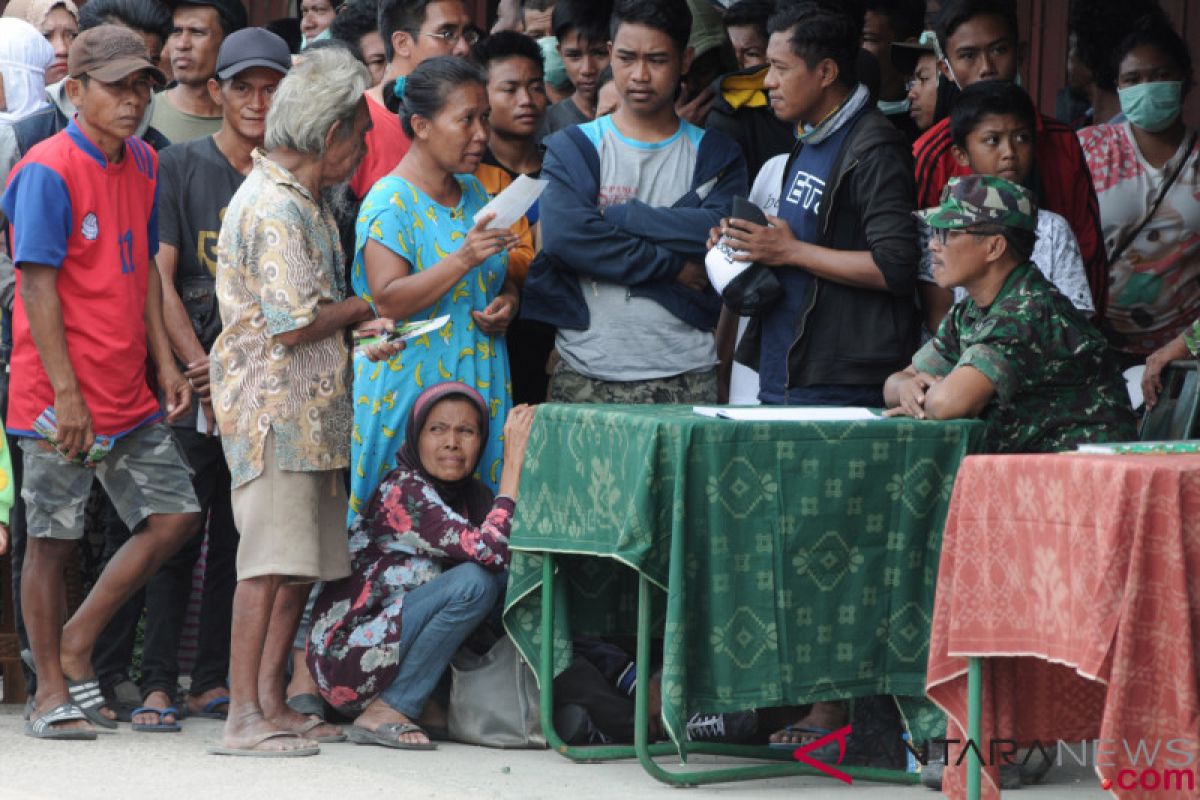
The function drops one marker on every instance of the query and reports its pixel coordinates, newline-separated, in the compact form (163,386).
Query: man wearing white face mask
(1147,175)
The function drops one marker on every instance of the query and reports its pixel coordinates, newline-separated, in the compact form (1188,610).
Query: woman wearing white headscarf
(24,56)
(58,22)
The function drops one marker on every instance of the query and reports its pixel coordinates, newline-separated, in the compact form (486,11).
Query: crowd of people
(213,231)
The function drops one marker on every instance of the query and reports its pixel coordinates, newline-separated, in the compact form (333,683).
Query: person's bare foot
(243,731)
(197,702)
(822,716)
(47,702)
(380,713)
(156,699)
(288,720)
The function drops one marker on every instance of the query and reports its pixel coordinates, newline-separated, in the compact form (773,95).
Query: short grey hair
(323,88)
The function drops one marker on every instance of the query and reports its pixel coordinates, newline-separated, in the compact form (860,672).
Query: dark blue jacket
(633,244)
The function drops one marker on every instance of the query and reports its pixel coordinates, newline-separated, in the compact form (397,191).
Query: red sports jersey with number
(97,224)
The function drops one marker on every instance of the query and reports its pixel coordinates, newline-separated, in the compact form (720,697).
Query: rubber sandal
(389,736)
(160,726)
(253,752)
(308,704)
(210,709)
(335,738)
(43,726)
(87,695)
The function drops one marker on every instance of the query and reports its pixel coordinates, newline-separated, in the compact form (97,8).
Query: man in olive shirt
(1016,353)
(186,111)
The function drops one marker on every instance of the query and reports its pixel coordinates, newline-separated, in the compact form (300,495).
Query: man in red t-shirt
(412,31)
(88,313)
(979,42)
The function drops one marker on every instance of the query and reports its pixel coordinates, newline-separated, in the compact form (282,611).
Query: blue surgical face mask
(305,41)
(1152,106)
(892,107)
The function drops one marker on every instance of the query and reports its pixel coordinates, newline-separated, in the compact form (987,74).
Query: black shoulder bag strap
(1120,249)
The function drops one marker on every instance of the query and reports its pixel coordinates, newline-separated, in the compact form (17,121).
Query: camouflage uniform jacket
(1055,385)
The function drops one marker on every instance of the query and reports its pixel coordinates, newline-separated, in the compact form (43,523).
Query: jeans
(168,591)
(436,618)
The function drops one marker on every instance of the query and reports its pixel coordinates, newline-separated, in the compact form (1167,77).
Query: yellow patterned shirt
(7,495)
(278,261)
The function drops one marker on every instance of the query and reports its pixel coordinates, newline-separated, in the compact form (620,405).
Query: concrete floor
(175,767)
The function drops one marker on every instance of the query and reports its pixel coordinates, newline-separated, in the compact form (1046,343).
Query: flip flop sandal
(210,709)
(308,704)
(87,695)
(333,738)
(806,733)
(43,726)
(253,752)
(389,736)
(160,726)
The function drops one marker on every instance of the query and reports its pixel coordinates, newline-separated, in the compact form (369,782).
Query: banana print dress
(408,222)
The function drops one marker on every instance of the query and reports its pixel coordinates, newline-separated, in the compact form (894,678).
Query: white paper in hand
(511,204)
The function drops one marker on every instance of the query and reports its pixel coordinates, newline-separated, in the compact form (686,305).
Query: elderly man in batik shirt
(281,388)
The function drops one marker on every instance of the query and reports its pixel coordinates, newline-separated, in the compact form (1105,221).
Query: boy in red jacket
(979,41)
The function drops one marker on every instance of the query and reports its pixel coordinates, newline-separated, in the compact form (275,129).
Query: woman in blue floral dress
(428,557)
(420,255)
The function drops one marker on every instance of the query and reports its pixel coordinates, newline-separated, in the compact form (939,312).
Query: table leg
(642,749)
(974,725)
(641,736)
(586,755)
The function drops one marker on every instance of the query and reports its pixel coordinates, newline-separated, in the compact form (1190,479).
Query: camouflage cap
(982,199)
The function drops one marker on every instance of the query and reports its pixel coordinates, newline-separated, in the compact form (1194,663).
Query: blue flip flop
(210,709)
(160,726)
(809,734)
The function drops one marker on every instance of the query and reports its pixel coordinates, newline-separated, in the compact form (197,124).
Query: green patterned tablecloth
(797,560)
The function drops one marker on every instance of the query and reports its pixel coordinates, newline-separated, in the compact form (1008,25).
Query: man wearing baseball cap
(187,111)
(88,315)
(197,179)
(1016,353)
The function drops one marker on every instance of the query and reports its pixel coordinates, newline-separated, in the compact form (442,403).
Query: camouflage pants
(143,475)
(568,386)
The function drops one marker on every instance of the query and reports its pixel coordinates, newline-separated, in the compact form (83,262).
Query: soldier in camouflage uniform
(1040,374)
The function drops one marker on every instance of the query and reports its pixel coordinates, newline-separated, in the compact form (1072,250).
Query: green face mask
(325,34)
(1152,106)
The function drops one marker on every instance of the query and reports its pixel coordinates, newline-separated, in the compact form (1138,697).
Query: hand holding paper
(512,203)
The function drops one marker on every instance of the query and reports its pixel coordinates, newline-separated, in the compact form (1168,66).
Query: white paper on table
(512,203)
(790,413)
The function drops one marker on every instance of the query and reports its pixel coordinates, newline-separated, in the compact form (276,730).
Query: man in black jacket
(844,244)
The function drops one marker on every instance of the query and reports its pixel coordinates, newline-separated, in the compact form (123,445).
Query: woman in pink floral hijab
(428,558)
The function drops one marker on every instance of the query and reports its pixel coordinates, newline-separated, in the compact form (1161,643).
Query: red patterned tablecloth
(1077,578)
